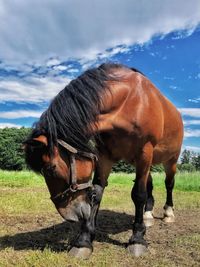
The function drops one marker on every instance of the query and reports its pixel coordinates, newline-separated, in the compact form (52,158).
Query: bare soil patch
(176,244)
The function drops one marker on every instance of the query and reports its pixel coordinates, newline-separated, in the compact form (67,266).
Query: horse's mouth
(68,215)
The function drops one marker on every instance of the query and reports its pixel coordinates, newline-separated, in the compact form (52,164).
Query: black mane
(72,112)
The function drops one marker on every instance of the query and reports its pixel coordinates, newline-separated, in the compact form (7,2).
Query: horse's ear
(39,141)
(42,139)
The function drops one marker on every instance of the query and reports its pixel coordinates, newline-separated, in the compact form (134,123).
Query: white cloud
(9,125)
(60,67)
(191,133)
(169,78)
(193,148)
(52,62)
(16,114)
(35,30)
(192,112)
(191,122)
(112,52)
(173,87)
(195,100)
(73,70)
(184,34)
(31,89)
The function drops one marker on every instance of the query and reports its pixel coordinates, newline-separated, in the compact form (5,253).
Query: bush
(186,167)
(157,168)
(122,166)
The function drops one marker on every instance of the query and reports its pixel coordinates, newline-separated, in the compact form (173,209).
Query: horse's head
(67,173)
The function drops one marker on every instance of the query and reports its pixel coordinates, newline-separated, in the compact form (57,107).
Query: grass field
(33,234)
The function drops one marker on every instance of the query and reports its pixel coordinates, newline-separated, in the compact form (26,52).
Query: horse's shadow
(58,237)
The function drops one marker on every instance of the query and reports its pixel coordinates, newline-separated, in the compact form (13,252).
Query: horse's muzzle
(75,213)
(68,214)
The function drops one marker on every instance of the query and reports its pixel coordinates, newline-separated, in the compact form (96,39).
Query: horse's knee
(138,196)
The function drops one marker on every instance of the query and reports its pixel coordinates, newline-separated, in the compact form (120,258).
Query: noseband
(73,186)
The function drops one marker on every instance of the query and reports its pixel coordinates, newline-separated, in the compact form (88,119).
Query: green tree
(186,167)
(11,152)
(196,161)
(186,157)
(190,161)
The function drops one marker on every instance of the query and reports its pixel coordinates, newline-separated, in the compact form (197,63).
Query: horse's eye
(49,170)
(53,167)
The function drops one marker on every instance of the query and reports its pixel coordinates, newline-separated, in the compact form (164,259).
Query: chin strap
(61,197)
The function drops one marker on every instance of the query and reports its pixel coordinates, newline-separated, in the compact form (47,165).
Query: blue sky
(43,48)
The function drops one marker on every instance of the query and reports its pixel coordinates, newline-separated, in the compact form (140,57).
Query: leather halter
(73,186)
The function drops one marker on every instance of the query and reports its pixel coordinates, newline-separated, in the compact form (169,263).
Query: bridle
(73,185)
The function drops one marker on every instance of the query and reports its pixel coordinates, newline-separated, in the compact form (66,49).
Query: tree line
(12,154)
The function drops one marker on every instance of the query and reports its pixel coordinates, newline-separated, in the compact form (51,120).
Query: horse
(108,113)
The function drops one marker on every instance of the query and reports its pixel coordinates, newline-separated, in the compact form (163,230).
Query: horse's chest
(120,146)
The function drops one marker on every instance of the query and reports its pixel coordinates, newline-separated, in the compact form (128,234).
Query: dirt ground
(174,244)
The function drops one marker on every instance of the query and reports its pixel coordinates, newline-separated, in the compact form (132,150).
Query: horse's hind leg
(170,170)
(148,210)
(137,244)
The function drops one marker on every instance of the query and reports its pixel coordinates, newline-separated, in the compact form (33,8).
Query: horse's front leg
(137,244)
(82,247)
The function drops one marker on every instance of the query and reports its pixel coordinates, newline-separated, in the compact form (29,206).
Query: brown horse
(108,113)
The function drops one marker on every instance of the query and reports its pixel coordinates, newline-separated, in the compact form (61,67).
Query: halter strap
(73,150)
(67,146)
(73,172)
(73,187)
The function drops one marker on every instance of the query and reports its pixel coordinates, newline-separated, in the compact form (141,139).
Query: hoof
(168,214)
(137,250)
(81,253)
(148,218)
(170,219)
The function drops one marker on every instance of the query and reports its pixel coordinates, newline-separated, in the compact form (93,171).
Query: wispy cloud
(173,87)
(169,78)
(184,34)
(193,148)
(31,89)
(113,23)
(192,133)
(9,125)
(194,100)
(191,122)
(192,112)
(15,114)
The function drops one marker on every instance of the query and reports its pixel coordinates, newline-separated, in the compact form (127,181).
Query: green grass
(26,214)
(17,179)
(25,192)
(184,181)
